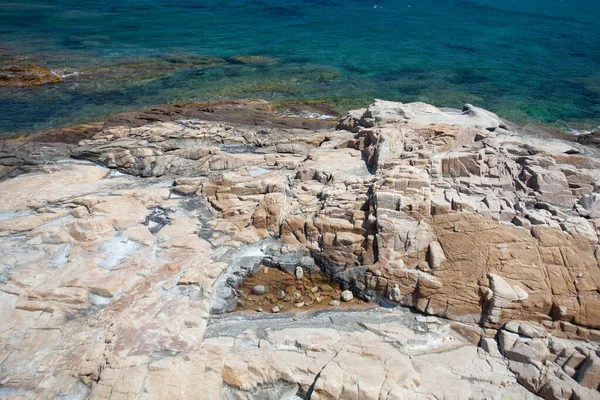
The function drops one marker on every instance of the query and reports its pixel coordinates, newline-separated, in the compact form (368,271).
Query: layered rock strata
(109,279)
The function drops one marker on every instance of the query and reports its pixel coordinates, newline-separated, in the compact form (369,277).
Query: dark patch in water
(464,76)
(416,74)
(461,47)
(285,12)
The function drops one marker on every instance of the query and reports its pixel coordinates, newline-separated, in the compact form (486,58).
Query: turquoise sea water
(528,60)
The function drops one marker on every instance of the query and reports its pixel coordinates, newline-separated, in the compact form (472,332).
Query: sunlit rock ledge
(122,256)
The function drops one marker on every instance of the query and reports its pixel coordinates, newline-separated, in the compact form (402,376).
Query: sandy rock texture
(120,257)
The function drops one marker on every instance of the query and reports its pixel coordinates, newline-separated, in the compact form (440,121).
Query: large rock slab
(109,271)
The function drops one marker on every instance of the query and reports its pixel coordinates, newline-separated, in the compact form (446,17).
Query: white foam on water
(578,132)
(117,250)
(63,74)
(308,114)
(325,116)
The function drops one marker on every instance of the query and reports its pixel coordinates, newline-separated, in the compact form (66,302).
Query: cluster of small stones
(308,292)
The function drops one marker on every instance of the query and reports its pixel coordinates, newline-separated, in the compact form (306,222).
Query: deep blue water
(527,60)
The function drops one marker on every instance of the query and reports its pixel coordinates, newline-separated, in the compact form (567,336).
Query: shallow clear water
(528,60)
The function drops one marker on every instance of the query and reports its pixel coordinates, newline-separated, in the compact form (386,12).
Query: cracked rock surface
(120,257)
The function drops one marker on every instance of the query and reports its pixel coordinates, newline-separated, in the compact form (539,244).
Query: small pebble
(296,295)
(275,309)
(334,303)
(315,289)
(326,288)
(347,295)
(281,295)
(266,270)
(259,310)
(259,290)
(299,305)
(299,273)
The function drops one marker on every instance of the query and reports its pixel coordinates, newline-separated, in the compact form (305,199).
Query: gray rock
(259,290)
(334,303)
(591,205)
(490,346)
(556,389)
(589,374)
(590,138)
(533,351)
(527,375)
(347,295)
(351,122)
(525,329)
(307,263)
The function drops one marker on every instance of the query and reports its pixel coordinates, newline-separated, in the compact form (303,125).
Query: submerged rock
(26,75)
(250,59)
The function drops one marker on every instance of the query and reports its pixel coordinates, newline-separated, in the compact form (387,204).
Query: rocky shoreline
(123,246)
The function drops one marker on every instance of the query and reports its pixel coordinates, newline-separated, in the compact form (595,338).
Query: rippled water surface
(528,60)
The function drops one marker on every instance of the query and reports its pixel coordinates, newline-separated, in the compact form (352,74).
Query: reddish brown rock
(26,75)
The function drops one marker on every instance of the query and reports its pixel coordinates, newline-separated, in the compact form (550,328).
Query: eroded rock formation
(109,280)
